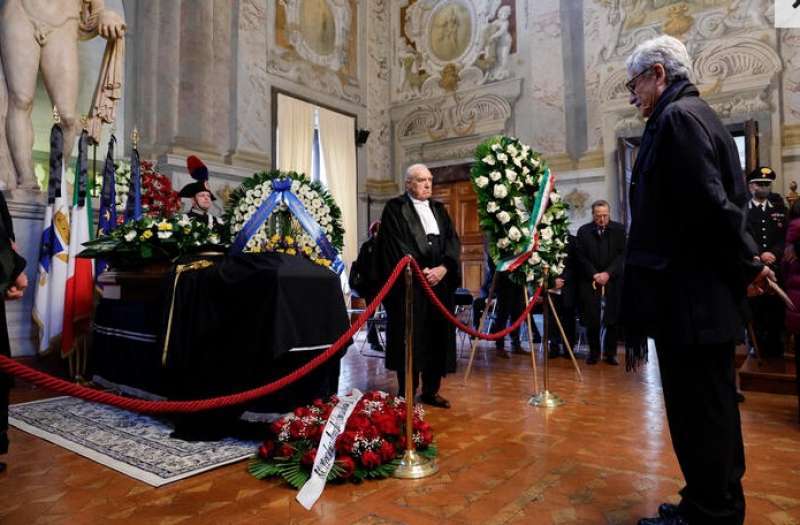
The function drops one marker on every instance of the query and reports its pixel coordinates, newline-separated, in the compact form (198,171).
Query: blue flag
(107,219)
(133,209)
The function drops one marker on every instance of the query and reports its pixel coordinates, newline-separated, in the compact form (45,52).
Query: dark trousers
(372,332)
(700,399)
(608,345)
(431,382)
(767,313)
(510,305)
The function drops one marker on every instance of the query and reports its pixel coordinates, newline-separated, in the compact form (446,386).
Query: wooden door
(462,204)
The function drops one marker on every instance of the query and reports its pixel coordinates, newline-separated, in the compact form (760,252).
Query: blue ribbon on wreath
(282,192)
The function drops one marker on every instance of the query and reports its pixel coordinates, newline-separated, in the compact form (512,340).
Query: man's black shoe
(611,360)
(674,520)
(591,360)
(434,400)
(668,510)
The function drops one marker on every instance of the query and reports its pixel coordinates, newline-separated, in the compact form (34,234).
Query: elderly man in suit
(414,224)
(686,276)
(599,250)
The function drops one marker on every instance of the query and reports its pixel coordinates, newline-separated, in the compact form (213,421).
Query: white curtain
(295,135)
(337,138)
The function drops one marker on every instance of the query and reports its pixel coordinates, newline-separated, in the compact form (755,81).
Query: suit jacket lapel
(415,224)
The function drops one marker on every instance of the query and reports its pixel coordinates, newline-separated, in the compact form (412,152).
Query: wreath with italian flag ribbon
(521,213)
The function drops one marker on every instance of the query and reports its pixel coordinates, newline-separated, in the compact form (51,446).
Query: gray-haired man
(686,275)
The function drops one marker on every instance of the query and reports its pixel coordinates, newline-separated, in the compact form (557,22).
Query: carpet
(136,445)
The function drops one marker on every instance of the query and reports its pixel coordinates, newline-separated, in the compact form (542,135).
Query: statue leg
(60,72)
(20,53)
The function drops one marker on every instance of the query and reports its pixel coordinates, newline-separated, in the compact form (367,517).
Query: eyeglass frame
(630,85)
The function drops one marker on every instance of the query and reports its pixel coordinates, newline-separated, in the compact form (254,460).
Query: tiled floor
(602,458)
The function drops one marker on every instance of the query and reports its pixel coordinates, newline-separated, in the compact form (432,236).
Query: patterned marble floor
(603,458)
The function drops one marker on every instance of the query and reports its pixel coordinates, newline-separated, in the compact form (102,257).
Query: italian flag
(80,272)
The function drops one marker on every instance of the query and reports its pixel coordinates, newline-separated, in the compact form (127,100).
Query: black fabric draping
(236,325)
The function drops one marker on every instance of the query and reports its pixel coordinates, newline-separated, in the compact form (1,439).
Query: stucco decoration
(447,45)
(314,44)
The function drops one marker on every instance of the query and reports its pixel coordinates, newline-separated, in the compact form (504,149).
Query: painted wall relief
(446,45)
(315,44)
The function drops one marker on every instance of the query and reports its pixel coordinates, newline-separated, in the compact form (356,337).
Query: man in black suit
(599,250)
(414,224)
(686,274)
(766,222)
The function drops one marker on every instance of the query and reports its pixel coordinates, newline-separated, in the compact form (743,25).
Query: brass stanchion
(545,398)
(564,337)
(476,340)
(413,465)
(531,346)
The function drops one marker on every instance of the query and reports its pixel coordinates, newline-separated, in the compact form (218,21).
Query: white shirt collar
(755,204)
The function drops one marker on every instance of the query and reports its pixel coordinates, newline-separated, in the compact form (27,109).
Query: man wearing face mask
(766,222)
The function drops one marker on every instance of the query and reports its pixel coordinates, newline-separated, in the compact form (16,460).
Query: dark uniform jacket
(768,228)
(216,224)
(689,257)
(595,254)
(402,234)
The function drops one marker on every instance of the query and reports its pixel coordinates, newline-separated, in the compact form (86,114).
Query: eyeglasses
(630,85)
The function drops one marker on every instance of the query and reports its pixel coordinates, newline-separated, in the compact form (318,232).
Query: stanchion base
(545,399)
(415,466)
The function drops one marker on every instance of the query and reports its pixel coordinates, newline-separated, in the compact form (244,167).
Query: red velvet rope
(62,386)
(461,326)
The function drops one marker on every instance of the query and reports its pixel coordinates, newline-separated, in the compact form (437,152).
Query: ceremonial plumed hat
(762,174)
(199,173)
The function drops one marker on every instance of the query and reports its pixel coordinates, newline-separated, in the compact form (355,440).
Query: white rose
(131,235)
(511,175)
(560,213)
(525,231)
(481,182)
(525,150)
(518,161)
(164,234)
(495,146)
(502,157)
(295,186)
(554,197)
(495,175)
(488,159)
(547,234)
(529,180)
(514,234)
(213,238)
(324,221)
(519,203)
(511,150)
(535,259)
(524,216)
(525,170)
(326,210)
(503,217)
(316,203)
(251,209)
(535,162)
(547,218)
(248,199)
(503,243)
(500,191)
(492,207)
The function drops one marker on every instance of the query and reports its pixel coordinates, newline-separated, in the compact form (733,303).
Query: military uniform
(766,222)
(199,173)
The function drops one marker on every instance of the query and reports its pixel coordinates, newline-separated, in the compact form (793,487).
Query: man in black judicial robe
(599,252)
(414,224)
(689,260)
(12,283)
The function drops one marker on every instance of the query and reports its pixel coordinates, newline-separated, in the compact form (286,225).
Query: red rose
(371,433)
(387,451)
(318,403)
(348,465)
(266,449)
(297,429)
(426,438)
(358,422)
(285,451)
(309,457)
(344,443)
(370,459)
(387,423)
(276,426)
(315,432)
(302,412)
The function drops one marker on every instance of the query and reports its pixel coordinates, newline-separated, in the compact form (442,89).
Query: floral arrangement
(158,197)
(152,239)
(246,199)
(508,177)
(290,246)
(370,446)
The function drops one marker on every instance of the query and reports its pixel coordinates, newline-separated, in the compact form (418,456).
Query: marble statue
(44,34)
(498,44)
